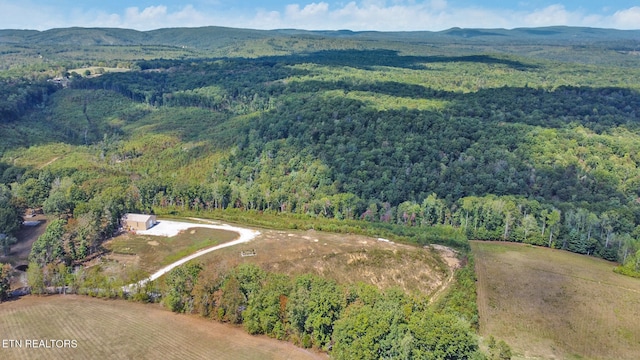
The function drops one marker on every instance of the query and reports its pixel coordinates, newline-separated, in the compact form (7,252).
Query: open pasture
(552,304)
(105,329)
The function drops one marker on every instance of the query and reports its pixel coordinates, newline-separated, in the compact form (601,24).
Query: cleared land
(150,252)
(123,330)
(345,258)
(552,304)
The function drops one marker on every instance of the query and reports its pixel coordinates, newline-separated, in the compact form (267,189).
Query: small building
(138,221)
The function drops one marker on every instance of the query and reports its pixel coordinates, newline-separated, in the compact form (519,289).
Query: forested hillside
(500,146)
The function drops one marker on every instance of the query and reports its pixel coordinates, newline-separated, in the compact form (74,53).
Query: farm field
(552,304)
(124,330)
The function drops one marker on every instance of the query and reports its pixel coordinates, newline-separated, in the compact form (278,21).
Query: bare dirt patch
(345,258)
(553,304)
(124,330)
(450,257)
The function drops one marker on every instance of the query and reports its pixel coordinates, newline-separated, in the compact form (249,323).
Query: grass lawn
(553,304)
(150,253)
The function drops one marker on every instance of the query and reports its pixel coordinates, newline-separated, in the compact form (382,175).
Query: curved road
(170,228)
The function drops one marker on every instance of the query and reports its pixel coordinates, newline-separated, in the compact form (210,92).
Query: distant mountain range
(210,37)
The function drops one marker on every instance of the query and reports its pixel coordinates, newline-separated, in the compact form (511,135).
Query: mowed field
(116,329)
(552,304)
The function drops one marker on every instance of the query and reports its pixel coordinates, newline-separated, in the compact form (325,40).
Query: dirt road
(171,228)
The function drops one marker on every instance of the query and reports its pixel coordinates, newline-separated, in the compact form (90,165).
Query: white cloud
(438,5)
(626,19)
(551,15)
(154,17)
(383,15)
(310,10)
(378,15)
(436,15)
(25,15)
(150,13)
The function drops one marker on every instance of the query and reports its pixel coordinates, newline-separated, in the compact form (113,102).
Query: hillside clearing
(167,242)
(124,330)
(553,304)
(345,258)
(244,235)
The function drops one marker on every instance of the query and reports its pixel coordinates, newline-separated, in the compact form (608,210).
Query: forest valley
(417,143)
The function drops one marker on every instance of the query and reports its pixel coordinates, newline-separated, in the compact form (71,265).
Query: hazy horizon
(373,15)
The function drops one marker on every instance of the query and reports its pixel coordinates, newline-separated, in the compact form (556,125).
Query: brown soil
(345,258)
(119,329)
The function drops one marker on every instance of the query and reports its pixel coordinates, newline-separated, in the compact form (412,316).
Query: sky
(357,15)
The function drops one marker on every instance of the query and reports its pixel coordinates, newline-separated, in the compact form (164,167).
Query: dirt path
(450,256)
(49,162)
(170,228)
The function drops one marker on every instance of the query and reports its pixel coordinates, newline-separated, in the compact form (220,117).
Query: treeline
(95,281)
(17,96)
(352,322)
(11,211)
(348,321)
(94,214)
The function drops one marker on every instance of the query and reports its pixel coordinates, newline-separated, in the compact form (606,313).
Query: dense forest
(551,165)
(420,137)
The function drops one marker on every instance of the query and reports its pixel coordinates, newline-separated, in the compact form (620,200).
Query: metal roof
(137,217)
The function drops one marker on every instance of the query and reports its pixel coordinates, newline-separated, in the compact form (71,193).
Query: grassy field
(123,330)
(345,258)
(552,304)
(150,253)
(97,70)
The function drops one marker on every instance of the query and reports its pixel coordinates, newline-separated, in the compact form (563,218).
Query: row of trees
(59,278)
(18,96)
(351,322)
(11,211)
(303,187)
